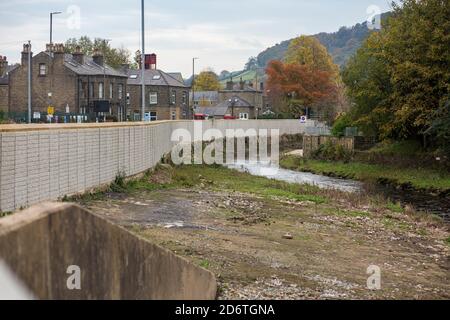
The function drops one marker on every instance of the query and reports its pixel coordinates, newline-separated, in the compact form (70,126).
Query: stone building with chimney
(4,85)
(166,94)
(71,84)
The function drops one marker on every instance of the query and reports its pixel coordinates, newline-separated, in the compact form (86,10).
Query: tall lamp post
(193,88)
(143,59)
(51,24)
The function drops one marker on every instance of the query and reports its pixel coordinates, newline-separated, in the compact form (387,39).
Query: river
(420,201)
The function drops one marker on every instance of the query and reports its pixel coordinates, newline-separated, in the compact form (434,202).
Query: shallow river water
(421,201)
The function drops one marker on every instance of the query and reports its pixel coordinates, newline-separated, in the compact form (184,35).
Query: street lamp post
(233,102)
(143,59)
(51,24)
(193,88)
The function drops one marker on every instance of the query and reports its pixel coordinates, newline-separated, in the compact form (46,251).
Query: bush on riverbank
(331,152)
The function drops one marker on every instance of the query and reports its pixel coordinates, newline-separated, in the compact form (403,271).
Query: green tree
(400,77)
(417,53)
(368,86)
(207,81)
(114,57)
(252,64)
(306,50)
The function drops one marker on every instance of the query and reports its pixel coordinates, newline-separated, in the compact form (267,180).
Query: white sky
(223,34)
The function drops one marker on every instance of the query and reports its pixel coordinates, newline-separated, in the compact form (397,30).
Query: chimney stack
(150,61)
(230,84)
(49,48)
(3,66)
(25,51)
(98,57)
(241,84)
(78,56)
(125,67)
(58,52)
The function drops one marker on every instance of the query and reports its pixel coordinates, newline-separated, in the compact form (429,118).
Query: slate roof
(222,108)
(241,103)
(90,68)
(4,80)
(213,111)
(206,95)
(154,78)
(177,75)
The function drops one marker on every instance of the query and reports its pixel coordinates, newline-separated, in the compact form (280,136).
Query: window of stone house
(101,90)
(91,90)
(111,91)
(243,116)
(173,97)
(120,91)
(153,116)
(174,115)
(184,98)
(153,98)
(42,69)
(84,90)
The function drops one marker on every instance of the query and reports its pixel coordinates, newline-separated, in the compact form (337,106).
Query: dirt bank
(270,240)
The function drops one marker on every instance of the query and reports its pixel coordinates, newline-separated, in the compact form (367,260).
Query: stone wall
(4,98)
(41,243)
(47,162)
(164,108)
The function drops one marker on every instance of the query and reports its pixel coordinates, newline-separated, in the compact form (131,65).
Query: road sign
(303,119)
(36,115)
(51,110)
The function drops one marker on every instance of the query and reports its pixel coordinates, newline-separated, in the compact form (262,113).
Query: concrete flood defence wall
(41,244)
(47,162)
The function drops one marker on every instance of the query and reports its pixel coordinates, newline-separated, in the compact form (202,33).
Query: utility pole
(51,25)
(193,88)
(29,81)
(143,59)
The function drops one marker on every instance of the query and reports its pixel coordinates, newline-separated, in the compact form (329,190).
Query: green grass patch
(5,214)
(402,148)
(205,264)
(394,207)
(419,178)
(447,241)
(221,178)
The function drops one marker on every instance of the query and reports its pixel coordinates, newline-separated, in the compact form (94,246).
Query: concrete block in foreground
(42,244)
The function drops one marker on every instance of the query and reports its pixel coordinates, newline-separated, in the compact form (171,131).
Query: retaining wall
(47,162)
(41,243)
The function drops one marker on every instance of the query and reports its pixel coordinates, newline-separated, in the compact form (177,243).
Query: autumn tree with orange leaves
(297,87)
(306,82)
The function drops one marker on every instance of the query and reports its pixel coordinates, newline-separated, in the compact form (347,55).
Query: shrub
(331,152)
(340,124)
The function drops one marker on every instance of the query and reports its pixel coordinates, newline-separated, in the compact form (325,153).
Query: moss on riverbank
(418,178)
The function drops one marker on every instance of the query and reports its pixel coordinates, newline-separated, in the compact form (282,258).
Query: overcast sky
(223,34)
